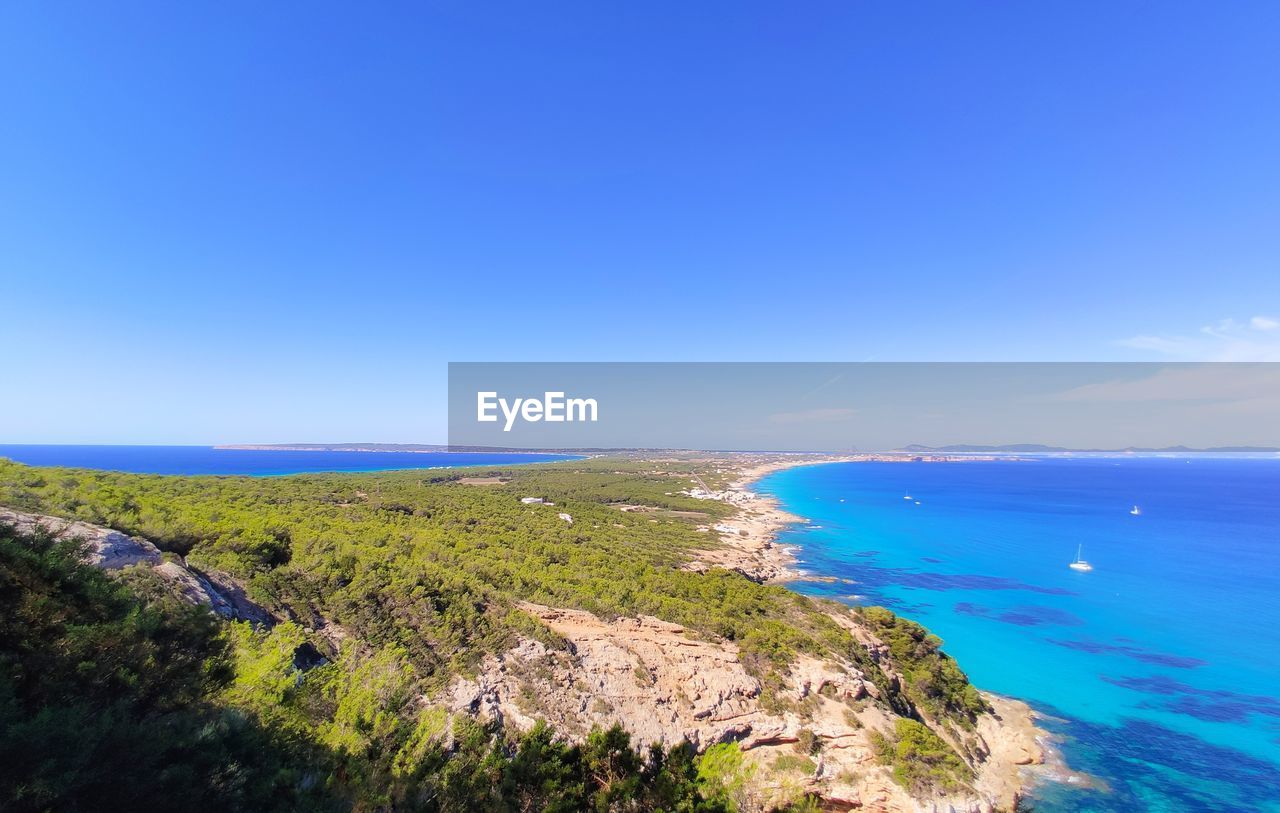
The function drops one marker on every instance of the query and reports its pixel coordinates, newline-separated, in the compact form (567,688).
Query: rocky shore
(665,686)
(1017,754)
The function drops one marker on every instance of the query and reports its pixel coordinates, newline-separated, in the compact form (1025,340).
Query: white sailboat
(907,496)
(1137,512)
(1080,564)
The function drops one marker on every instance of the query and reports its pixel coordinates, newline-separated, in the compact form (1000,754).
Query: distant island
(913,449)
(433,448)
(1036,448)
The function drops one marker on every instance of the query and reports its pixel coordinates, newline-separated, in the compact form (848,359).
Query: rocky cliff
(665,685)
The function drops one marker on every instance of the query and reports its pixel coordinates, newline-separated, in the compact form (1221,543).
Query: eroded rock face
(664,686)
(107,549)
(194,588)
(112,550)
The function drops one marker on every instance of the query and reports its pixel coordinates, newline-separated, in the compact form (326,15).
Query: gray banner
(823,406)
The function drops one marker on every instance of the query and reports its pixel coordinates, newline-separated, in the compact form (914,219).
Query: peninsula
(438,639)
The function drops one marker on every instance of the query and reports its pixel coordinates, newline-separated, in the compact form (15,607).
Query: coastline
(767,519)
(748,538)
(1026,755)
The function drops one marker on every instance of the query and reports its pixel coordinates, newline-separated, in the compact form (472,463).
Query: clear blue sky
(274,222)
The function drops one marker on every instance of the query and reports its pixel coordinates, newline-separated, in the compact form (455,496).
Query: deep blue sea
(254,462)
(1159,669)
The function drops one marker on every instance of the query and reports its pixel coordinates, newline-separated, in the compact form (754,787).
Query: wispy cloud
(1237,384)
(826,415)
(822,386)
(1257,339)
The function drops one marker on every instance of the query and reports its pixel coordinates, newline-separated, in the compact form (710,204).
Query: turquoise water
(254,462)
(1160,669)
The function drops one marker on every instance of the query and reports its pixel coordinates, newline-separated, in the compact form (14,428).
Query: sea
(1157,672)
(253,462)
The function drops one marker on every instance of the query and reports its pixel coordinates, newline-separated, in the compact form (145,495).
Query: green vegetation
(414,576)
(726,773)
(105,700)
(922,762)
(794,762)
(935,683)
(112,702)
(807,742)
(433,568)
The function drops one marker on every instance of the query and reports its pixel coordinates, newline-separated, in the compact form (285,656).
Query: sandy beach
(749,536)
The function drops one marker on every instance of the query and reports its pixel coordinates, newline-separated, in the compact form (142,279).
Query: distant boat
(907,496)
(917,502)
(1137,512)
(1080,564)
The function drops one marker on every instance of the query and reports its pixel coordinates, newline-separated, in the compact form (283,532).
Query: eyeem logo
(553,407)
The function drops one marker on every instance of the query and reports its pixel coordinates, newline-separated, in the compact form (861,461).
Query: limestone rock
(112,550)
(664,685)
(105,548)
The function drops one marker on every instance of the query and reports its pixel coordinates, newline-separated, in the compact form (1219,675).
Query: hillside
(401,631)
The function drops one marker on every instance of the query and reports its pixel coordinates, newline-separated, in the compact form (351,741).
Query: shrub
(794,762)
(922,762)
(807,742)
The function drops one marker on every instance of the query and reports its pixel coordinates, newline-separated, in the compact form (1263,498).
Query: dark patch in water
(1032,615)
(1207,710)
(962,581)
(1128,651)
(1142,760)
(903,608)
(931,560)
(871,577)
(839,591)
(1023,615)
(1210,705)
